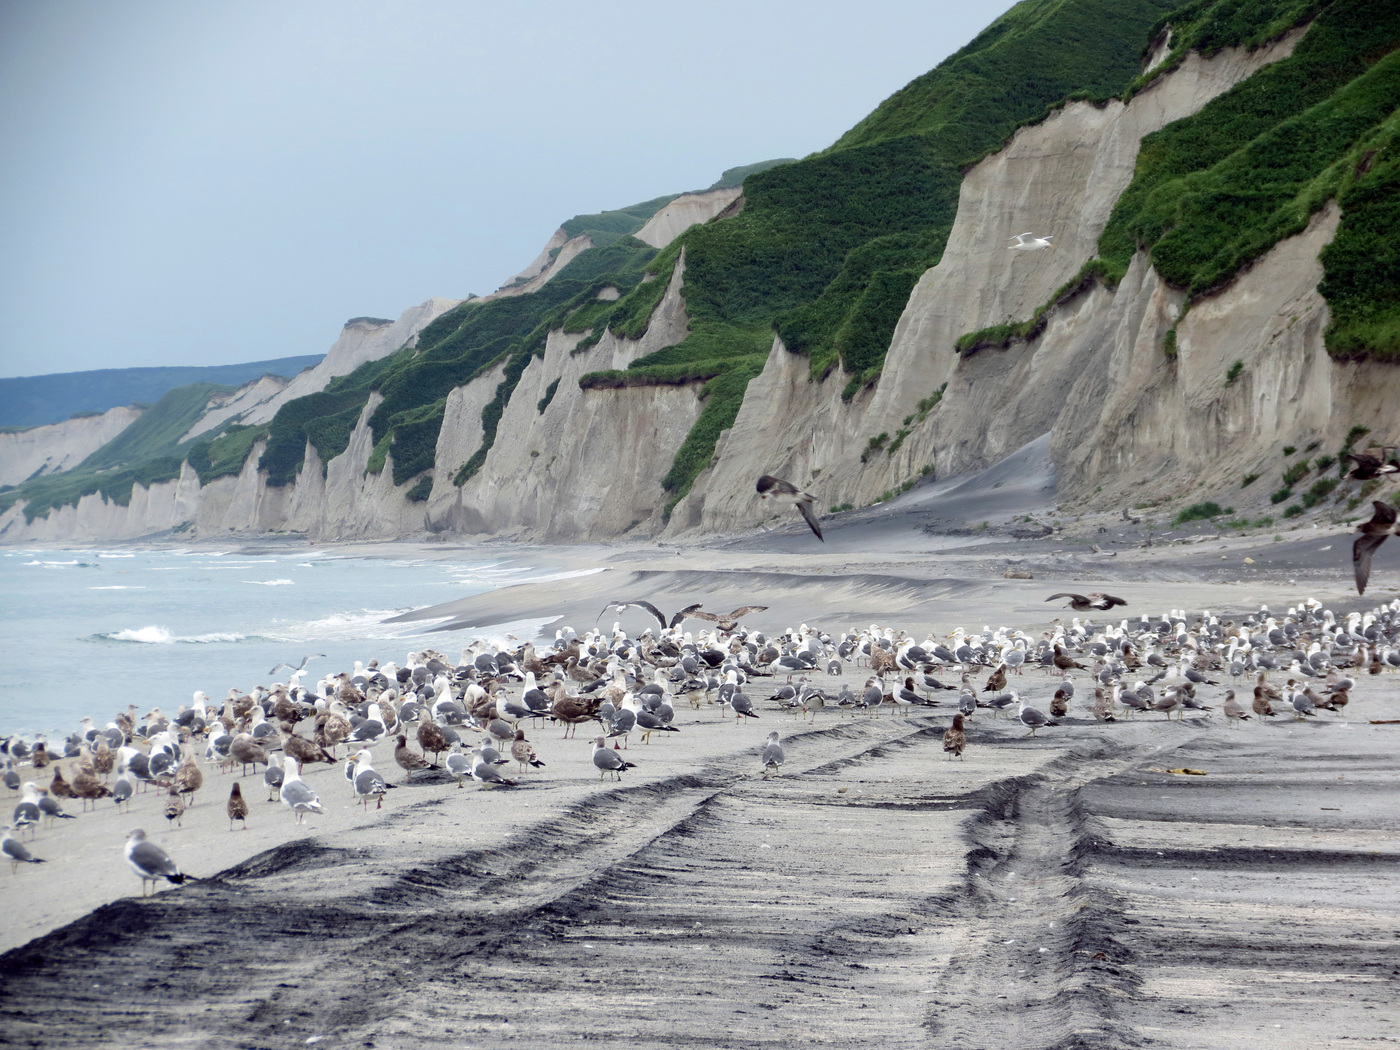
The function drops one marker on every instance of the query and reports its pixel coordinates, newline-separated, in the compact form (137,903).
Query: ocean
(87,632)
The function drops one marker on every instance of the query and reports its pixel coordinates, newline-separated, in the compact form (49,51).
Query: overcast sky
(186,182)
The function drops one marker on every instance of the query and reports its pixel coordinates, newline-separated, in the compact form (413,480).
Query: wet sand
(1049,891)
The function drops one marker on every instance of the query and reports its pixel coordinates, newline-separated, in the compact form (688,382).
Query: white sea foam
(350,626)
(155,635)
(119,587)
(271,583)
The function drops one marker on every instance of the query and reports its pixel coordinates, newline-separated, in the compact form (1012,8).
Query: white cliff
(59,446)
(1062,177)
(588,466)
(684,212)
(362,339)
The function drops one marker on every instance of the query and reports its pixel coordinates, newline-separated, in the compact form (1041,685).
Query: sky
(200,182)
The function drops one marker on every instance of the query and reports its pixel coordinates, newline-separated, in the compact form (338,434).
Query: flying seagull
(1369,466)
(770,487)
(1083,602)
(675,621)
(304,661)
(1029,242)
(728,621)
(1373,534)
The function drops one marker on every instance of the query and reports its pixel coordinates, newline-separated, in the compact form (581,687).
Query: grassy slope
(147,452)
(36,400)
(1216,190)
(827,248)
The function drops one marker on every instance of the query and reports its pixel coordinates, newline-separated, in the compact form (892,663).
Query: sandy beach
(1050,891)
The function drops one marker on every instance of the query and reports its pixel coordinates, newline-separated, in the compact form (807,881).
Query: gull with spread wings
(770,487)
(687,613)
(1085,602)
(1373,534)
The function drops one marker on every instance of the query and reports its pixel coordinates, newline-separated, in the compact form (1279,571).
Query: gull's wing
(684,614)
(744,610)
(805,506)
(1067,594)
(1361,552)
(660,618)
(1107,601)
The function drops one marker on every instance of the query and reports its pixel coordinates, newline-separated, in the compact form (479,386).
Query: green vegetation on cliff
(1216,190)
(827,249)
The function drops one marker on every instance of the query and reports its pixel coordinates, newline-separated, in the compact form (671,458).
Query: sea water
(88,632)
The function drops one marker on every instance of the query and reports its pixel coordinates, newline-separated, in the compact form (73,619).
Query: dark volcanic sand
(1046,892)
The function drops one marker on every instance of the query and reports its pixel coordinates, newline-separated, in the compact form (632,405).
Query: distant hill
(30,401)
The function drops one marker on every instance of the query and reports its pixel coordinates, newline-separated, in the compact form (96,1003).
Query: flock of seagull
(474,711)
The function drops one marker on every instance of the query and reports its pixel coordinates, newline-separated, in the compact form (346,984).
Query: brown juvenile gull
(408,760)
(1085,602)
(1369,467)
(770,487)
(1373,534)
(727,621)
(237,807)
(188,778)
(522,752)
(1234,710)
(151,862)
(174,807)
(954,738)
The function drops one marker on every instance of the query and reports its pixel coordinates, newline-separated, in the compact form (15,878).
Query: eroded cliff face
(59,446)
(684,212)
(1060,177)
(1121,414)
(361,340)
(590,465)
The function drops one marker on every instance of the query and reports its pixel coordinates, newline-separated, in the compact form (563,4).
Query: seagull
(151,862)
(16,852)
(1373,534)
(675,620)
(1368,466)
(237,807)
(296,793)
(1034,719)
(954,738)
(772,755)
(1085,602)
(297,667)
(770,487)
(608,761)
(368,783)
(728,621)
(1029,242)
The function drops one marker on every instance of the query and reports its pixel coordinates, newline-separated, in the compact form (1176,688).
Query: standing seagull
(237,807)
(772,755)
(1373,534)
(607,760)
(16,852)
(954,738)
(296,793)
(770,487)
(151,862)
